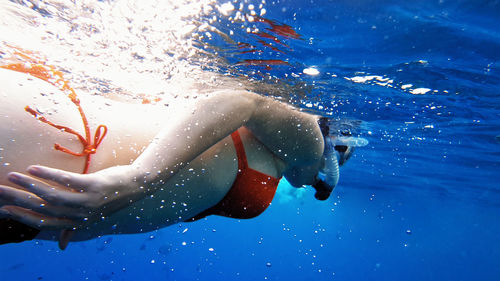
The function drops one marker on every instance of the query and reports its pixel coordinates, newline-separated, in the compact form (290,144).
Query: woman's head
(339,146)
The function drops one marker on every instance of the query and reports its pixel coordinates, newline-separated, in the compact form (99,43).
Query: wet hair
(324,125)
(339,127)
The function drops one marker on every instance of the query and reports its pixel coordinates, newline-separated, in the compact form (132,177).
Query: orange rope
(49,74)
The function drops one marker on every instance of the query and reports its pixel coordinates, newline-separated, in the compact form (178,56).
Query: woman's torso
(200,185)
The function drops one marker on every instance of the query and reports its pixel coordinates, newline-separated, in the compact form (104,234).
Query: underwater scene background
(419,80)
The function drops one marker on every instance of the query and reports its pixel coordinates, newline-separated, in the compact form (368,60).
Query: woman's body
(189,166)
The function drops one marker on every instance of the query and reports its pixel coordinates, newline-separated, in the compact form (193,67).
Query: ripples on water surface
(419,203)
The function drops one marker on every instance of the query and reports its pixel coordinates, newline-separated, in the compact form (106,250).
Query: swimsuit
(251,193)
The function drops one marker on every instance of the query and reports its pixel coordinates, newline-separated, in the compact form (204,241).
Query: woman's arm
(291,135)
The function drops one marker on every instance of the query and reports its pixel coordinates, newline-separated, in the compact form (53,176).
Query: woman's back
(27,141)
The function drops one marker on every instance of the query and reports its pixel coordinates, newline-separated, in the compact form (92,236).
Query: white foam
(420,91)
(311,71)
(364,79)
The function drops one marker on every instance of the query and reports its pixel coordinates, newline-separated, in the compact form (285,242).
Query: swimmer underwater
(222,154)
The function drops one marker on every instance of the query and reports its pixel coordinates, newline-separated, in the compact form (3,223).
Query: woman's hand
(58,199)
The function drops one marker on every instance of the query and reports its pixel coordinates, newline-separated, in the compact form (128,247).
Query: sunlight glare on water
(128,47)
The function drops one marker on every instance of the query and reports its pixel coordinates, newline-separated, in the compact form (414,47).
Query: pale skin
(157,165)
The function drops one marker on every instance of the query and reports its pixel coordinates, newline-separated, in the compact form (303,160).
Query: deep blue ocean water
(420,202)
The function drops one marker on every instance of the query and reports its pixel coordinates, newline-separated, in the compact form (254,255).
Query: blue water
(420,202)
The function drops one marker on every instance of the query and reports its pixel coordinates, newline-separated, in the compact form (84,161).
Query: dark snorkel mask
(338,149)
